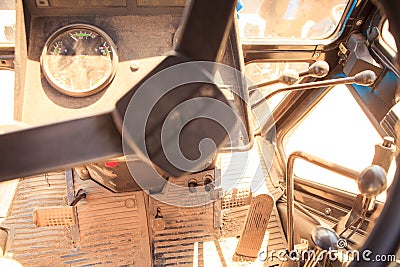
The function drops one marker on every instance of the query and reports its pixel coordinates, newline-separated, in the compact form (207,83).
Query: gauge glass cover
(79,60)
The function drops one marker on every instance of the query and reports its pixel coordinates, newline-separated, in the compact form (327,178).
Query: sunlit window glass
(336,130)
(388,37)
(304,19)
(7,21)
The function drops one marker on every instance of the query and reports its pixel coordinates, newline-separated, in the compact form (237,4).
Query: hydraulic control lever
(288,77)
(318,69)
(366,78)
(371,182)
(370,186)
(290,185)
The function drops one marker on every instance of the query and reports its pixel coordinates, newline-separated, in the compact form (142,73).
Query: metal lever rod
(318,69)
(288,77)
(371,182)
(290,185)
(365,78)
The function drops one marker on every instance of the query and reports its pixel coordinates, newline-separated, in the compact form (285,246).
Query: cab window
(7,22)
(7,43)
(387,38)
(340,133)
(304,19)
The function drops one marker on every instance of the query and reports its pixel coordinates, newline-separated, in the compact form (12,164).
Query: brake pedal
(254,229)
(54,216)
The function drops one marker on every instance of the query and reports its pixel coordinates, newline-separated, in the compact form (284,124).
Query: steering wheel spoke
(36,150)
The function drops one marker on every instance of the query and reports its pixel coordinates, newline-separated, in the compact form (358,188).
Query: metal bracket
(69,178)
(343,53)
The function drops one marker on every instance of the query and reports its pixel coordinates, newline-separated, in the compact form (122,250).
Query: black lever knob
(325,238)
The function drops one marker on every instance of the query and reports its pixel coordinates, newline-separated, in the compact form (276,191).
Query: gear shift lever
(371,182)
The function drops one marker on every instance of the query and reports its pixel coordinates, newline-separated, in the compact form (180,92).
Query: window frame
(334,36)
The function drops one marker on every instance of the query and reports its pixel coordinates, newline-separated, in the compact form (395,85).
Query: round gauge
(79,60)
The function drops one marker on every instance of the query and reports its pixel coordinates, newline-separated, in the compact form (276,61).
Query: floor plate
(113,227)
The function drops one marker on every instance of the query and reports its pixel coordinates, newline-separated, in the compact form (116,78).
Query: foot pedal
(54,216)
(254,229)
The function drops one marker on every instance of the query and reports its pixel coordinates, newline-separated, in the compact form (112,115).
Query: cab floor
(115,230)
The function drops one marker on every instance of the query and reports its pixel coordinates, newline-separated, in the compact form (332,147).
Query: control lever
(371,182)
(318,69)
(366,78)
(288,77)
(290,185)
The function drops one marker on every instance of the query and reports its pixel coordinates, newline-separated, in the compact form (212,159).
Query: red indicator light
(111,164)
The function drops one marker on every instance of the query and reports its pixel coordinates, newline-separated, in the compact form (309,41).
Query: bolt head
(134,66)
(328,211)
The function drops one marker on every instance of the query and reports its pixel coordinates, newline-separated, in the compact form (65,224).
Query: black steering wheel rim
(384,238)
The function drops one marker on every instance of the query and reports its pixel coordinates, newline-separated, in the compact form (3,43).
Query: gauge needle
(73,37)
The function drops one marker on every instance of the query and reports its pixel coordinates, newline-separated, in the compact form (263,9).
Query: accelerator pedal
(254,229)
(54,216)
(59,215)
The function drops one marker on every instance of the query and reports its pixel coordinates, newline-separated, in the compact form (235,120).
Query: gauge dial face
(79,60)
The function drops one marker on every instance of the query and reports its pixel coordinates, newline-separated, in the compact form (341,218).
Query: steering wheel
(384,238)
(205,28)
(72,143)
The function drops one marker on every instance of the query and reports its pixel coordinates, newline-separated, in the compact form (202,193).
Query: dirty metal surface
(113,227)
(182,223)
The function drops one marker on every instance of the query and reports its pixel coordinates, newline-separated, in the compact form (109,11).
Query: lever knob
(366,78)
(319,69)
(289,77)
(325,238)
(372,181)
